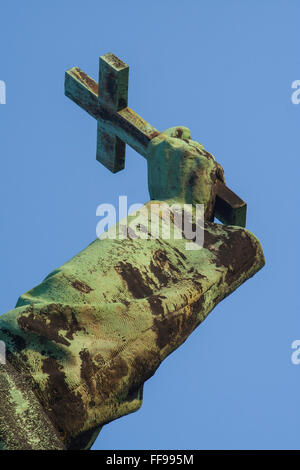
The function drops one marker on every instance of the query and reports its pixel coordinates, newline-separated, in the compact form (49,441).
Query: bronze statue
(81,344)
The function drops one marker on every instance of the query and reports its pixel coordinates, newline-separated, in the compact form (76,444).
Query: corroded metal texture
(125,124)
(180,168)
(85,340)
(119,125)
(112,94)
(23,421)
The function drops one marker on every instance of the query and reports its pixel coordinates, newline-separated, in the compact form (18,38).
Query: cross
(118,125)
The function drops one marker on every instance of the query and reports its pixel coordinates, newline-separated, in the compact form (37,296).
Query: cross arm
(229,207)
(126,124)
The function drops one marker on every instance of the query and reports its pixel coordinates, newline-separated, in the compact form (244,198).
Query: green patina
(86,339)
(119,125)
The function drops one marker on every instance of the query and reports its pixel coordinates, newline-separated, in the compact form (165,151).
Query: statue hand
(180,168)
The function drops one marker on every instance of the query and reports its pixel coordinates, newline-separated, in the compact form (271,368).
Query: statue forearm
(87,338)
(82,343)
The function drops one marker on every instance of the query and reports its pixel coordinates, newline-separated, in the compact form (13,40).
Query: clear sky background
(224,69)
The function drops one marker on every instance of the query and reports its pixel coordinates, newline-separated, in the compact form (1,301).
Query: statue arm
(82,343)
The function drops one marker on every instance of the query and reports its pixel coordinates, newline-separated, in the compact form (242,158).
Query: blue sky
(224,69)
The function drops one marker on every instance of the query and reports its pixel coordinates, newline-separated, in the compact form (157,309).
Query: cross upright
(118,125)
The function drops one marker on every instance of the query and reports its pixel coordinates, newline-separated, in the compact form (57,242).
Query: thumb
(179,132)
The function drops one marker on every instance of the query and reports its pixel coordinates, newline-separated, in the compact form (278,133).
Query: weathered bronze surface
(81,344)
(119,125)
